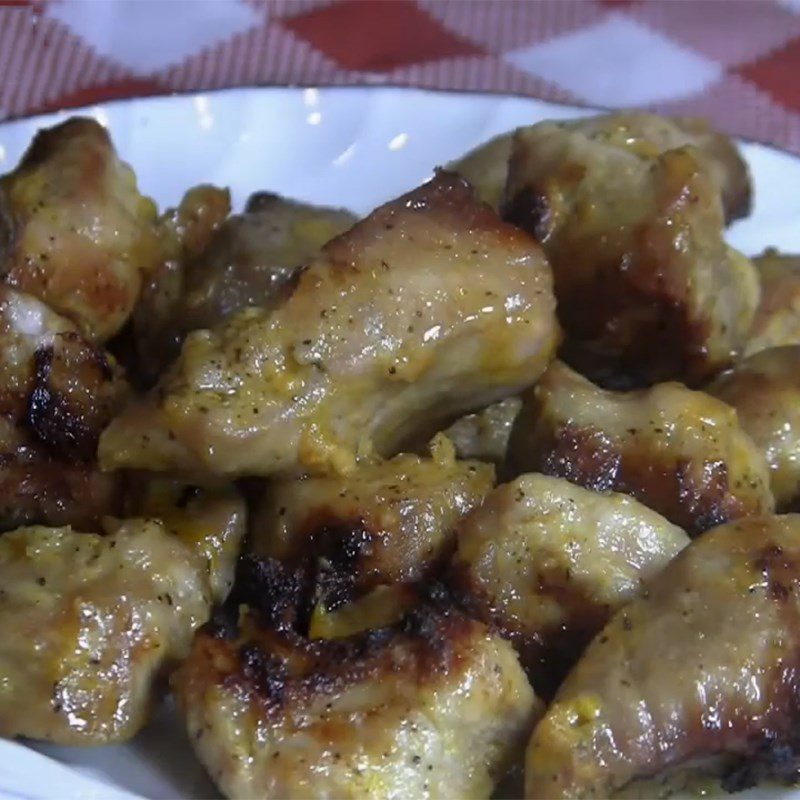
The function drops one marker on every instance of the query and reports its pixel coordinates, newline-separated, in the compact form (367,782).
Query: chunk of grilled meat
(548,562)
(632,224)
(88,623)
(384,523)
(485,434)
(428,308)
(683,453)
(705,663)
(486,167)
(765,391)
(74,229)
(151,340)
(250,261)
(211,521)
(57,392)
(434,706)
(777,320)
(38,486)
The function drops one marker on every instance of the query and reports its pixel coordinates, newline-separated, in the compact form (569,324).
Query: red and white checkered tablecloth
(734,61)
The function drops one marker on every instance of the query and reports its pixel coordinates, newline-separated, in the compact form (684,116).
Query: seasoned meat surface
(434,706)
(631,216)
(765,391)
(57,393)
(704,664)
(251,259)
(548,562)
(74,229)
(683,453)
(777,320)
(381,524)
(486,166)
(211,521)
(88,623)
(429,307)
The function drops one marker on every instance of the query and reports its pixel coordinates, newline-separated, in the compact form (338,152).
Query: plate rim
(257,88)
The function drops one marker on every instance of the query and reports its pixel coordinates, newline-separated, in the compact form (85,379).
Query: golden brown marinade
(90,624)
(547,562)
(435,705)
(57,392)
(221,266)
(681,452)
(385,523)
(428,308)
(703,665)
(74,229)
(632,224)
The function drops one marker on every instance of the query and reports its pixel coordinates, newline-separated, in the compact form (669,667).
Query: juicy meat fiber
(250,259)
(682,453)
(765,391)
(428,308)
(705,663)
(88,623)
(382,524)
(632,223)
(432,707)
(548,562)
(74,230)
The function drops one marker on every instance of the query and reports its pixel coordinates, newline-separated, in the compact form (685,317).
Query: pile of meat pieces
(234,452)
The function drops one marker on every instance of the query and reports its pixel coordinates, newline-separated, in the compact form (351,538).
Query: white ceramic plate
(345,147)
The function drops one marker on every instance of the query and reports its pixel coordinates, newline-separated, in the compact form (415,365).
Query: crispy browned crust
(587,458)
(448,198)
(647,289)
(264,655)
(693,491)
(38,488)
(76,390)
(55,401)
(50,140)
(627,327)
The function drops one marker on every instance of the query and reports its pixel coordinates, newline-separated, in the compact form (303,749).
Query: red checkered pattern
(734,61)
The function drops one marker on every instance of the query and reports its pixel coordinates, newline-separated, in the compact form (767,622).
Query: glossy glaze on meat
(765,391)
(88,623)
(630,215)
(210,521)
(705,663)
(57,393)
(249,259)
(428,308)
(382,524)
(74,229)
(433,707)
(548,562)
(486,166)
(777,320)
(683,453)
